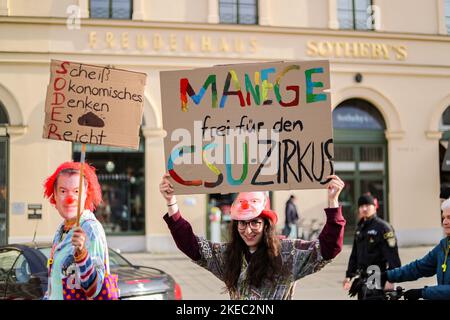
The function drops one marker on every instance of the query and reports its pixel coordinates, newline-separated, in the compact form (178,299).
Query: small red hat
(269,214)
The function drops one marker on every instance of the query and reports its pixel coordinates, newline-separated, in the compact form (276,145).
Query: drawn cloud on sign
(91,120)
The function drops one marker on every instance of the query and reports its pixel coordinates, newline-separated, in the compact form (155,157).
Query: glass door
(3,190)
(363,169)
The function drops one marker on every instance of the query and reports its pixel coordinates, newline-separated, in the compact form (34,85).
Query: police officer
(374,245)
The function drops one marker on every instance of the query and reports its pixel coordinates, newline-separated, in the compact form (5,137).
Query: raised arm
(180,229)
(332,236)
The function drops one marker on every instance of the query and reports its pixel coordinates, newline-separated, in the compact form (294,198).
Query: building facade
(390,76)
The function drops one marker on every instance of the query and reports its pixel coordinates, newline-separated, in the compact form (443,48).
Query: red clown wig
(94,192)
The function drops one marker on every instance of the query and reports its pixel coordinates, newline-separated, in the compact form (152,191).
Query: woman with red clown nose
(82,249)
(256,264)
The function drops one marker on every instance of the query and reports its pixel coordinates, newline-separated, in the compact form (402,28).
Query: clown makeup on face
(66,194)
(248,205)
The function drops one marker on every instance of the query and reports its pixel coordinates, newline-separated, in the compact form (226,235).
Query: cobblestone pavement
(198,284)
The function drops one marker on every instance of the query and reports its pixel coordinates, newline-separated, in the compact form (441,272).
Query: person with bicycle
(434,263)
(374,244)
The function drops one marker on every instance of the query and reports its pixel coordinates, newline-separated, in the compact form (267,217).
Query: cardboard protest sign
(262,126)
(94,104)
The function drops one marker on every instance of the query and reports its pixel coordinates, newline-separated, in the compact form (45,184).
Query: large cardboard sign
(94,104)
(262,126)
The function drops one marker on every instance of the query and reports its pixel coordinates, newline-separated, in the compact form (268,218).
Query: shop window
(111,9)
(355,14)
(4,146)
(121,173)
(3,116)
(360,157)
(357,114)
(238,11)
(444,124)
(444,154)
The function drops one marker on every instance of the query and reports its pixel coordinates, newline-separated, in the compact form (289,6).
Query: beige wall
(411,93)
(43,8)
(177,10)
(288,13)
(317,13)
(413,157)
(31,159)
(417,16)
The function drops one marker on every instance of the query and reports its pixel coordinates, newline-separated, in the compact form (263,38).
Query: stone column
(84,8)
(333,22)
(264,13)
(4,7)
(442,27)
(138,10)
(414,187)
(213,11)
(157,235)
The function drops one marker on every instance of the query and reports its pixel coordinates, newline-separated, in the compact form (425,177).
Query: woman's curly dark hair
(265,262)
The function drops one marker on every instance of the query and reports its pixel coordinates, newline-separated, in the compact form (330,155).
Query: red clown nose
(69,200)
(244,205)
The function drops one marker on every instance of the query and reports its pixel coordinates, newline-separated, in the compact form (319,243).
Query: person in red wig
(256,263)
(79,254)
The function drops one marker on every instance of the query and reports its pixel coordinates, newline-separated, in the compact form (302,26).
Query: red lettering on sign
(63,69)
(52,128)
(55,84)
(58,98)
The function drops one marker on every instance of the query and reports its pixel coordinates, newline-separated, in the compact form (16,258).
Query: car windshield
(45,251)
(115,260)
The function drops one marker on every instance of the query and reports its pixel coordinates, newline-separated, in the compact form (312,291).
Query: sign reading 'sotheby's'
(94,104)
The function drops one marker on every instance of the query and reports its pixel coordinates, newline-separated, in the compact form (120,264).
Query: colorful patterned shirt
(299,257)
(88,271)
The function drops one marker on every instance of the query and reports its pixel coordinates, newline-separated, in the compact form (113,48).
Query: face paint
(66,196)
(69,200)
(248,205)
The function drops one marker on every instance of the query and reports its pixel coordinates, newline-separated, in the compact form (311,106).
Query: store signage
(171,42)
(35,208)
(358,50)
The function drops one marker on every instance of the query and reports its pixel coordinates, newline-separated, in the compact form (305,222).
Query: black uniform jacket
(374,244)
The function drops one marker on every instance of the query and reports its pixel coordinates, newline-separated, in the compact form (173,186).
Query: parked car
(23,275)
